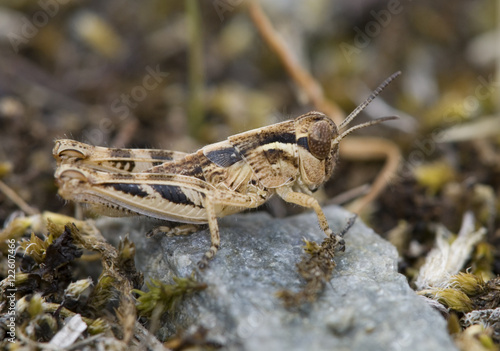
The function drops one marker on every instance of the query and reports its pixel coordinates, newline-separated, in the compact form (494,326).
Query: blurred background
(179,75)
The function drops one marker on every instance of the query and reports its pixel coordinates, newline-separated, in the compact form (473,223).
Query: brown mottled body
(290,159)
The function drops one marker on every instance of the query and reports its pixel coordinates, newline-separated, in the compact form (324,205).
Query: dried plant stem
(12,195)
(301,76)
(349,195)
(126,132)
(196,77)
(366,148)
(352,148)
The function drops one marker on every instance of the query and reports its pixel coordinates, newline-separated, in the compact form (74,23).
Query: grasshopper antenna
(362,125)
(361,107)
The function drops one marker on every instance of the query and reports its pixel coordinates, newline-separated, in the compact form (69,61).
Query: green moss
(164,297)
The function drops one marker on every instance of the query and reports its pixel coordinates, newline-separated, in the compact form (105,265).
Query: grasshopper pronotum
(291,159)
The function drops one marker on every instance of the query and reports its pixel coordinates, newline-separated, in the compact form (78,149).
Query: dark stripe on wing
(191,165)
(172,193)
(132,189)
(224,157)
(120,153)
(161,155)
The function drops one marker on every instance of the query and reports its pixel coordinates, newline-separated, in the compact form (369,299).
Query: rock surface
(367,306)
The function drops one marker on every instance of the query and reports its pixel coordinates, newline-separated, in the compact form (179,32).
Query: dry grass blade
(12,195)
(307,82)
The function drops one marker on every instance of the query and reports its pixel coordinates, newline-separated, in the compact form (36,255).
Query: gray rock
(367,306)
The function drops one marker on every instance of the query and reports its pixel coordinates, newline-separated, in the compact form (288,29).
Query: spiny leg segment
(214,233)
(305,200)
(175,230)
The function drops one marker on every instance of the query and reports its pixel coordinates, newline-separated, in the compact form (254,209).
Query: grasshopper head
(318,154)
(318,139)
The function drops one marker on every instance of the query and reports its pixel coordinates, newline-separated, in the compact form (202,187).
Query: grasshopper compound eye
(320,139)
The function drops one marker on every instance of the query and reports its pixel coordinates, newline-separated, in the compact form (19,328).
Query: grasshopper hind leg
(174,229)
(186,229)
(214,234)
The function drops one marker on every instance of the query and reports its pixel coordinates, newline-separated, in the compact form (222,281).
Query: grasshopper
(290,159)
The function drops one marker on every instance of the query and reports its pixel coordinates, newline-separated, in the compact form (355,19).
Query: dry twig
(300,75)
(12,195)
(358,148)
